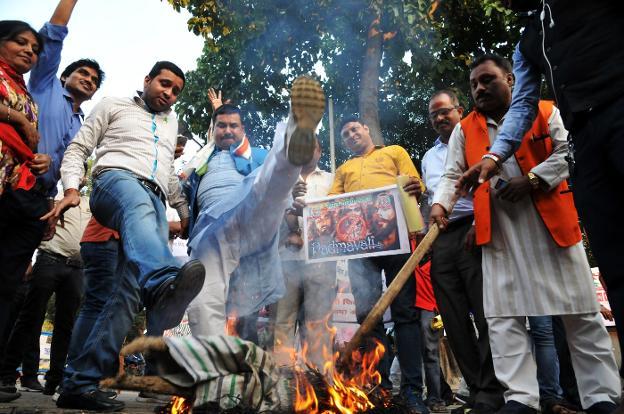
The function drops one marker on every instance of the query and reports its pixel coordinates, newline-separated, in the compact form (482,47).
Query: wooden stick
(386,299)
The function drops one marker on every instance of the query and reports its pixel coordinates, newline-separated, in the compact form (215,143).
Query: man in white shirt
(135,139)
(456,269)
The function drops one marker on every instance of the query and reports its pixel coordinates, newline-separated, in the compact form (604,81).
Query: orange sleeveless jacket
(556,209)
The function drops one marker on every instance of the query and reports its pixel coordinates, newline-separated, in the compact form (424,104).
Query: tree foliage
(255,49)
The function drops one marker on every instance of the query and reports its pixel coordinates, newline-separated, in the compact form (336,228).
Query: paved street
(37,403)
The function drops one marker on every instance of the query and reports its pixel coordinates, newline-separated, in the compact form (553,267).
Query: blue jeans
(545,357)
(121,202)
(111,302)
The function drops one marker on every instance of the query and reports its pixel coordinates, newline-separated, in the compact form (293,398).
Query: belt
(69,261)
(153,187)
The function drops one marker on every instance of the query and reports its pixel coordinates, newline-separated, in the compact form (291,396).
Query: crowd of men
(508,273)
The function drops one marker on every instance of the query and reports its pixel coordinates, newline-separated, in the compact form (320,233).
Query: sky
(126,37)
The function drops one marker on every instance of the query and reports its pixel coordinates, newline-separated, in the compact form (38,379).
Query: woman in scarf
(20,46)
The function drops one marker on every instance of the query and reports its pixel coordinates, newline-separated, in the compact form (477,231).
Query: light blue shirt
(432,166)
(221,179)
(523,109)
(58,123)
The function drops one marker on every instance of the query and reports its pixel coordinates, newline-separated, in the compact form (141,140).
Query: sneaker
(89,401)
(30,384)
(168,308)
(6,397)
(307,104)
(50,387)
(152,397)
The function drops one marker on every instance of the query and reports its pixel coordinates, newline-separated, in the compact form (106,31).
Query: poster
(359,224)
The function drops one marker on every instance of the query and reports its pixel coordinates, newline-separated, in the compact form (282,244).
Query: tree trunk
(368,101)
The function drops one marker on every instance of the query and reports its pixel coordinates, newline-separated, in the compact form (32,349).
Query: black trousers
(30,361)
(50,275)
(598,184)
(21,232)
(458,287)
(365,278)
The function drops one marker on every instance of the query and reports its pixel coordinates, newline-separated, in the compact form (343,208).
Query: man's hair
(351,118)
(10,29)
(498,60)
(448,92)
(90,63)
(166,65)
(227,109)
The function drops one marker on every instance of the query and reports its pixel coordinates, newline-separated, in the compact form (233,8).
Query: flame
(347,393)
(179,405)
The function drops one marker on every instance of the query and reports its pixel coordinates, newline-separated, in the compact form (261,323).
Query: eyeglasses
(443,111)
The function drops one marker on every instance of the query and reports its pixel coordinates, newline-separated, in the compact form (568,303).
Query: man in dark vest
(577,46)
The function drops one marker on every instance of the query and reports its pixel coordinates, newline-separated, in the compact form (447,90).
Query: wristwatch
(534,180)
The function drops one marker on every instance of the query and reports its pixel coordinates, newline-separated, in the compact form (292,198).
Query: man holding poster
(374,167)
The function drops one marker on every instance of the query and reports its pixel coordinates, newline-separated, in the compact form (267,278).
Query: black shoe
(8,396)
(89,401)
(168,308)
(515,407)
(602,407)
(110,394)
(30,384)
(8,386)
(50,387)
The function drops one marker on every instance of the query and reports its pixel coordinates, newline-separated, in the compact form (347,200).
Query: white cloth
(255,223)
(318,184)
(66,240)
(129,137)
(525,273)
(590,347)
(432,166)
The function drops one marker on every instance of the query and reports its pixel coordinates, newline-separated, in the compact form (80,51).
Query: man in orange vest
(534,263)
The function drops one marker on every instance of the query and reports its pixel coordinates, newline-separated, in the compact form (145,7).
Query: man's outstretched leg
(250,227)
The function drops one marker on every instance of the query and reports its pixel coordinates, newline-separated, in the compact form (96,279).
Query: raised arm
(63,12)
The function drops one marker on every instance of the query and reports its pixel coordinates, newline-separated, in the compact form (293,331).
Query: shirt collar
(139,101)
(68,96)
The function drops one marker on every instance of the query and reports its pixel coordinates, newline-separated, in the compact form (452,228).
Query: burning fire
(177,405)
(346,393)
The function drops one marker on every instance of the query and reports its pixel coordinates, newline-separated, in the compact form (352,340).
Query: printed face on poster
(359,224)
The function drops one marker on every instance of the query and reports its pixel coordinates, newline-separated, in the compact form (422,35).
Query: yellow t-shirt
(378,168)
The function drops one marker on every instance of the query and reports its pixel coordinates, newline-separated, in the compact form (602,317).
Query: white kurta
(525,273)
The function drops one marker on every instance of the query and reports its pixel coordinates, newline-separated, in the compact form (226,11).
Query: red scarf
(10,137)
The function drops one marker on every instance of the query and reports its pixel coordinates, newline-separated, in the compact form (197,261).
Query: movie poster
(359,224)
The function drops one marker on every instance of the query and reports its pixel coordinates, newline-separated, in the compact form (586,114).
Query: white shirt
(432,170)
(128,137)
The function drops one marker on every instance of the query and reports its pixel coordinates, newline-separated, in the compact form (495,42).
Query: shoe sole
(307,102)
(26,389)
(172,305)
